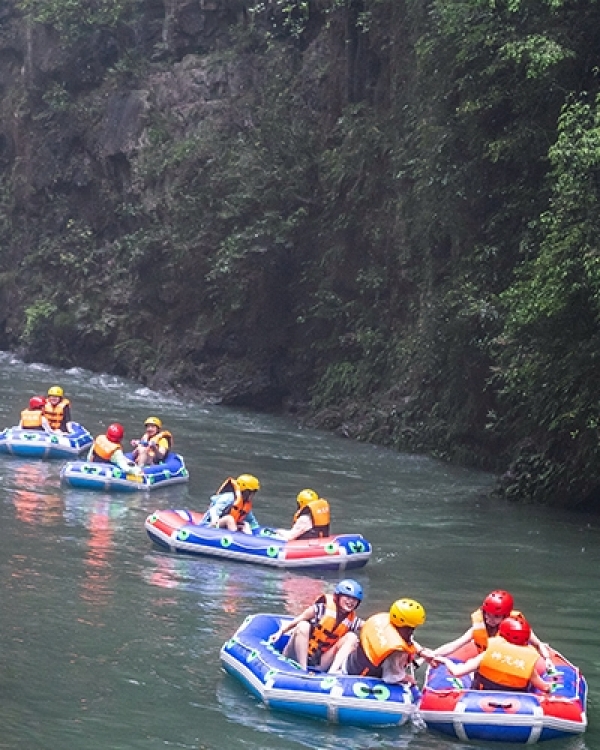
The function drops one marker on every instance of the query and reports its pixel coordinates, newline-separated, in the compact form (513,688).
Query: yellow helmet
(407,613)
(305,497)
(248,482)
(56,390)
(155,421)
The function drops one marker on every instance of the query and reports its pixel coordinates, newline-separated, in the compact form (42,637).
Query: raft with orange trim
(284,686)
(449,706)
(24,443)
(182,532)
(92,475)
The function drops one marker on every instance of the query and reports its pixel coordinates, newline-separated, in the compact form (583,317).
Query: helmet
(498,603)
(305,497)
(349,587)
(56,390)
(407,613)
(515,630)
(115,432)
(155,421)
(248,482)
(37,402)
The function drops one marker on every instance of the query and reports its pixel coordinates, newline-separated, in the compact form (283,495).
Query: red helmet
(498,603)
(37,402)
(115,432)
(515,630)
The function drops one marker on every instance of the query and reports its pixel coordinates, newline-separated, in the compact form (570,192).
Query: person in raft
(231,505)
(385,648)
(33,418)
(322,629)
(57,409)
(107,449)
(486,621)
(154,445)
(508,663)
(311,520)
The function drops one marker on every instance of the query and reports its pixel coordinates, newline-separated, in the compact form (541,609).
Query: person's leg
(227,522)
(341,651)
(297,646)
(143,457)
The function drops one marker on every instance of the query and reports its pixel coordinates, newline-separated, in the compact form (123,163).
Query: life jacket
(329,628)
(321,516)
(31,419)
(480,633)
(378,639)
(162,435)
(55,414)
(103,449)
(240,507)
(507,666)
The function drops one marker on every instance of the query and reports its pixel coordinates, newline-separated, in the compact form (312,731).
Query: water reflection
(96,586)
(232,588)
(102,515)
(33,503)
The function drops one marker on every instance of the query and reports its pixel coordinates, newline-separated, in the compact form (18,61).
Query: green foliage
(551,340)
(75,18)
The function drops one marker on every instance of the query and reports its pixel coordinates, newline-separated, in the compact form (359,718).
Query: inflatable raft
(89,475)
(283,685)
(182,531)
(39,444)
(449,706)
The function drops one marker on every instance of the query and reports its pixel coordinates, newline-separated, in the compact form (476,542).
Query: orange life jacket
(321,518)
(55,414)
(480,633)
(508,665)
(241,507)
(31,419)
(379,638)
(329,628)
(103,449)
(163,434)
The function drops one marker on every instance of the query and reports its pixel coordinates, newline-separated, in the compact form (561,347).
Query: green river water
(109,644)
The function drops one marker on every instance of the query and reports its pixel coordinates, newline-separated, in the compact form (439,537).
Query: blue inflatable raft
(283,685)
(182,531)
(89,475)
(40,444)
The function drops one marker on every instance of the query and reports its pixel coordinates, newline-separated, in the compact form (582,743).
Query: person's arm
(459,670)
(121,460)
(219,505)
(251,520)
(66,418)
(302,525)
(307,615)
(448,648)
(424,653)
(546,687)
(543,649)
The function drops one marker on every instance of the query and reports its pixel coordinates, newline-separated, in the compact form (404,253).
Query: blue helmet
(349,587)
